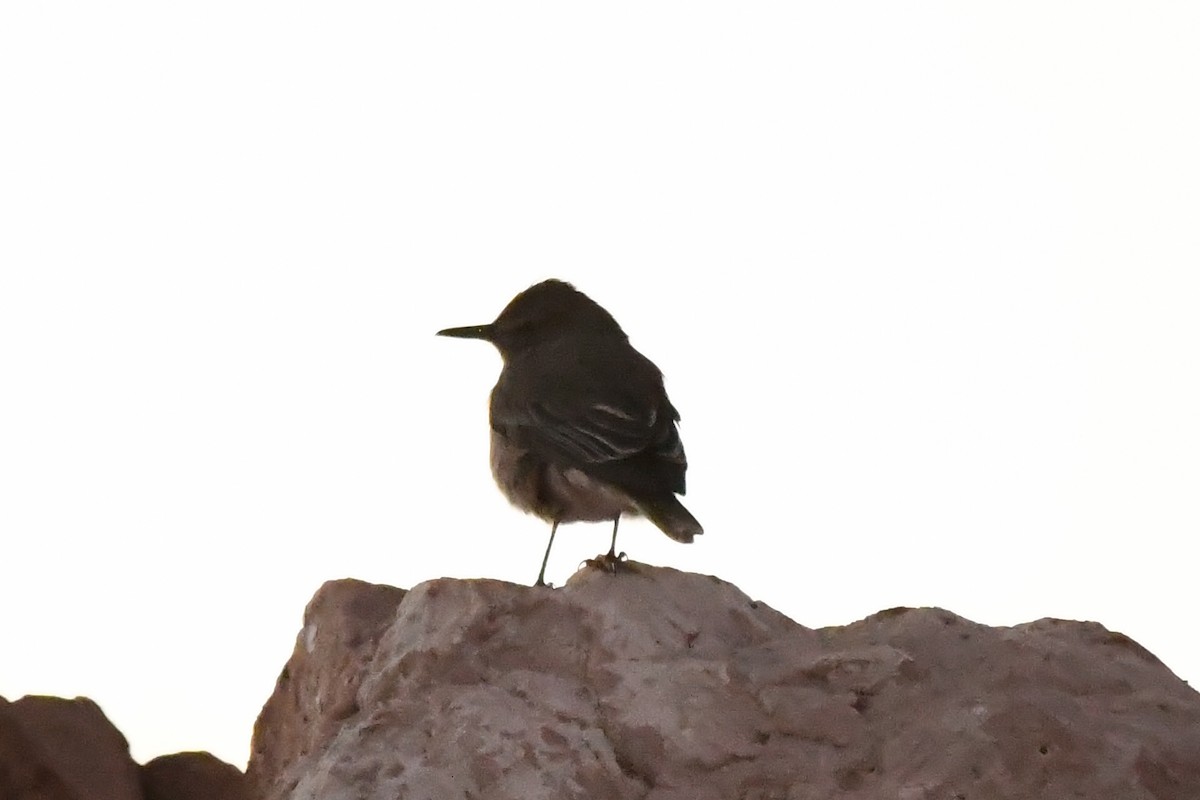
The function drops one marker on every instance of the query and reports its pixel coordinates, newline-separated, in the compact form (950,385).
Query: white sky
(924,281)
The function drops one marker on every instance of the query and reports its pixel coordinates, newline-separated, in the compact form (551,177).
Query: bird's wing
(633,446)
(609,417)
(578,433)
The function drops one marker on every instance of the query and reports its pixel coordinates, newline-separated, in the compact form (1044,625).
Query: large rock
(664,685)
(57,749)
(192,776)
(318,689)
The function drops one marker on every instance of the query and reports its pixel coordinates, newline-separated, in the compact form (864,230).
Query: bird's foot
(609,562)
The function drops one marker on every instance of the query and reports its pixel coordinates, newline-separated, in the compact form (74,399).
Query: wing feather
(619,428)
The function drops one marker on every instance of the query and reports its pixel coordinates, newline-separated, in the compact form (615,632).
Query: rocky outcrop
(318,689)
(663,685)
(57,749)
(192,776)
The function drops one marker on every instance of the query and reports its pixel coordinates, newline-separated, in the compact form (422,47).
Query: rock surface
(318,689)
(192,776)
(57,749)
(52,748)
(664,685)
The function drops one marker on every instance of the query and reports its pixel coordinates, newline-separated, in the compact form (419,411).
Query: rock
(318,688)
(192,776)
(661,685)
(57,749)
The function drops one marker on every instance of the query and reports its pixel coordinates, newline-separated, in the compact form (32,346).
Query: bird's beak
(470,332)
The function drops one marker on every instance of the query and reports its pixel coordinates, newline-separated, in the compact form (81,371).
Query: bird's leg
(612,549)
(611,560)
(541,581)
(613,556)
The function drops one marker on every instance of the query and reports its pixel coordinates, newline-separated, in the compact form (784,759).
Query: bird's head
(544,312)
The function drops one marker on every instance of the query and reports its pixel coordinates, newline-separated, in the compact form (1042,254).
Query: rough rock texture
(57,749)
(664,685)
(318,689)
(192,776)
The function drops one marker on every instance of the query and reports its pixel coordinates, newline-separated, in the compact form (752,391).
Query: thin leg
(610,561)
(541,581)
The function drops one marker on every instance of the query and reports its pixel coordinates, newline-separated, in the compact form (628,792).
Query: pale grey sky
(923,281)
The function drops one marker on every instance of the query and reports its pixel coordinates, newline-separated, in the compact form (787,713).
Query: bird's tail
(671,518)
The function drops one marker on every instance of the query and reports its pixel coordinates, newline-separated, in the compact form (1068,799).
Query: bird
(581,426)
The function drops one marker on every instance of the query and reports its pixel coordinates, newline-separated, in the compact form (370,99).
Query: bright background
(924,281)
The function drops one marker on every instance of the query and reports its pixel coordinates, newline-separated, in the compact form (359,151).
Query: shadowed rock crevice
(656,684)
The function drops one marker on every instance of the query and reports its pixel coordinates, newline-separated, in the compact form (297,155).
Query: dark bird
(582,430)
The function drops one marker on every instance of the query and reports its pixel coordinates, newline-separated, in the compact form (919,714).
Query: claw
(609,562)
